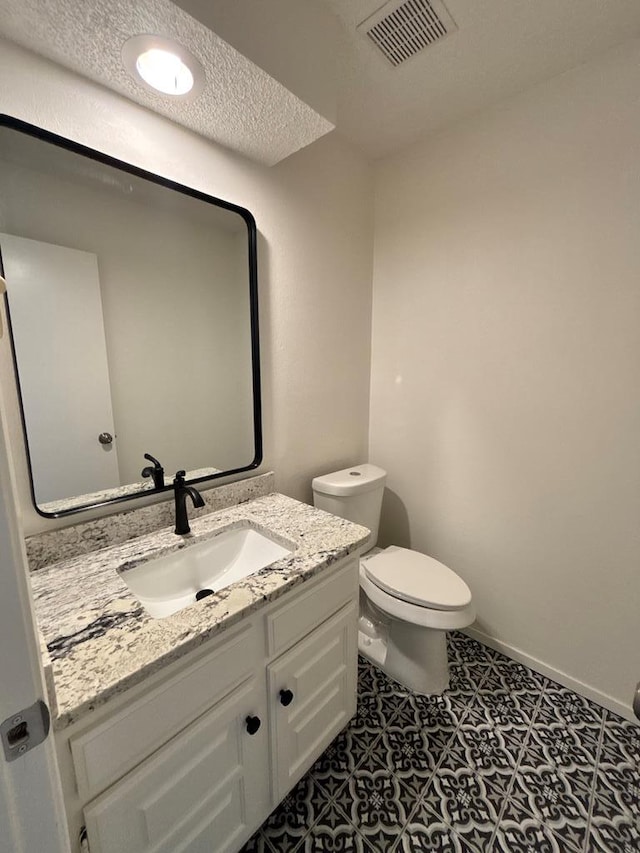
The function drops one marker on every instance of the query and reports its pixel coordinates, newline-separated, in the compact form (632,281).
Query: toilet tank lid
(350,481)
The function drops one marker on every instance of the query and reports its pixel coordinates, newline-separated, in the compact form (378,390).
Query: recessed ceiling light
(163,66)
(165,71)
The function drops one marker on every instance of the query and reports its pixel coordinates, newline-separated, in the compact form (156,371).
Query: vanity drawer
(313,605)
(109,750)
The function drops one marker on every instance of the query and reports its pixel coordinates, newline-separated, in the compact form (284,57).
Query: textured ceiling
(288,70)
(501,47)
(242,107)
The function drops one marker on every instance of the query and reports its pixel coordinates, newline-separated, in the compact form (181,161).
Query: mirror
(132,305)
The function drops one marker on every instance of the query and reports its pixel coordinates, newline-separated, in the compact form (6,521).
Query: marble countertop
(146,486)
(99,639)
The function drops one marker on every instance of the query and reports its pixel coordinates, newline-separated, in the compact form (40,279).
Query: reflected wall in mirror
(132,303)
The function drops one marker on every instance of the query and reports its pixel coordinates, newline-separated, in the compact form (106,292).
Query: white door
(58,330)
(31,811)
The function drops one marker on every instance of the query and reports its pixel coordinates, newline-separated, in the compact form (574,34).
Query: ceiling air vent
(402,28)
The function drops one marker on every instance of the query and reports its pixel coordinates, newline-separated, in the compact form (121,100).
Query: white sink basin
(170,583)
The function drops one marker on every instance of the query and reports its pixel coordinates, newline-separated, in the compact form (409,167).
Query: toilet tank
(353,493)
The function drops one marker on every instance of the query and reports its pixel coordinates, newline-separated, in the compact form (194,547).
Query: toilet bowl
(408,601)
(412,600)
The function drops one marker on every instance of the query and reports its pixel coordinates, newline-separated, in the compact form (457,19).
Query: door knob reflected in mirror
(105,438)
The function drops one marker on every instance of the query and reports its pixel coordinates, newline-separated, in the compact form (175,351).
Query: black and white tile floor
(505,761)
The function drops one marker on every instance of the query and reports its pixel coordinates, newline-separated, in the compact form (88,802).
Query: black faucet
(156,473)
(181,492)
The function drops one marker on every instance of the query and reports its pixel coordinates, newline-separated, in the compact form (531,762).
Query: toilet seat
(416,614)
(417,579)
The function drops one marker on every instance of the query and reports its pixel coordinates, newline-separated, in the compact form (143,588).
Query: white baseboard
(579,687)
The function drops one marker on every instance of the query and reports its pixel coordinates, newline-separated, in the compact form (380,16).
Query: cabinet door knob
(286,697)
(253,724)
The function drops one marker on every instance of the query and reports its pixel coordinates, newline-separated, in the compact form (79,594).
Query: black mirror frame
(99,157)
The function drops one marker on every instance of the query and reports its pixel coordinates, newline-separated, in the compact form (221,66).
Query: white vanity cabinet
(193,759)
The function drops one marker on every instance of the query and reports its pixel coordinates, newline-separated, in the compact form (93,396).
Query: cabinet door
(104,753)
(312,690)
(205,790)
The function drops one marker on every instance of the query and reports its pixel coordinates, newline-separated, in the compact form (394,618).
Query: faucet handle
(151,458)
(178,480)
(156,473)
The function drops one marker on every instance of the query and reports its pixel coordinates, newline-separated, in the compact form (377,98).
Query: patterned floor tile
(605,804)
(566,746)
(498,657)
(493,754)
(503,710)
(466,803)
(427,832)
(435,715)
(384,702)
(617,791)
(577,768)
(366,680)
(620,740)
(339,760)
(463,649)
(296,814)
(429,707)
(373,714)
(519,832)
(561,705)
(516,678)
(377,803)
(562,804)
(464,681)
(410,753)
(334,832)
(504,761)
(372,680)
(256,844)
(613,836)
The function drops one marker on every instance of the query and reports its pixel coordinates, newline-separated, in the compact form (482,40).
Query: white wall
(314,216)
(506,347)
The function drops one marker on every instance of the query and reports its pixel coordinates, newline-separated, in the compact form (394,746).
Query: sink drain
(203,593)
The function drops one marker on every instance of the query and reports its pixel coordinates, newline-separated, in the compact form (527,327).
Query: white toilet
(408,601)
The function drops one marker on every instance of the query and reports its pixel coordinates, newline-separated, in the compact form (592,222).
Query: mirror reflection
(133,314)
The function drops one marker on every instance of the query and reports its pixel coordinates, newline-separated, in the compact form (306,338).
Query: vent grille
(408,28)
